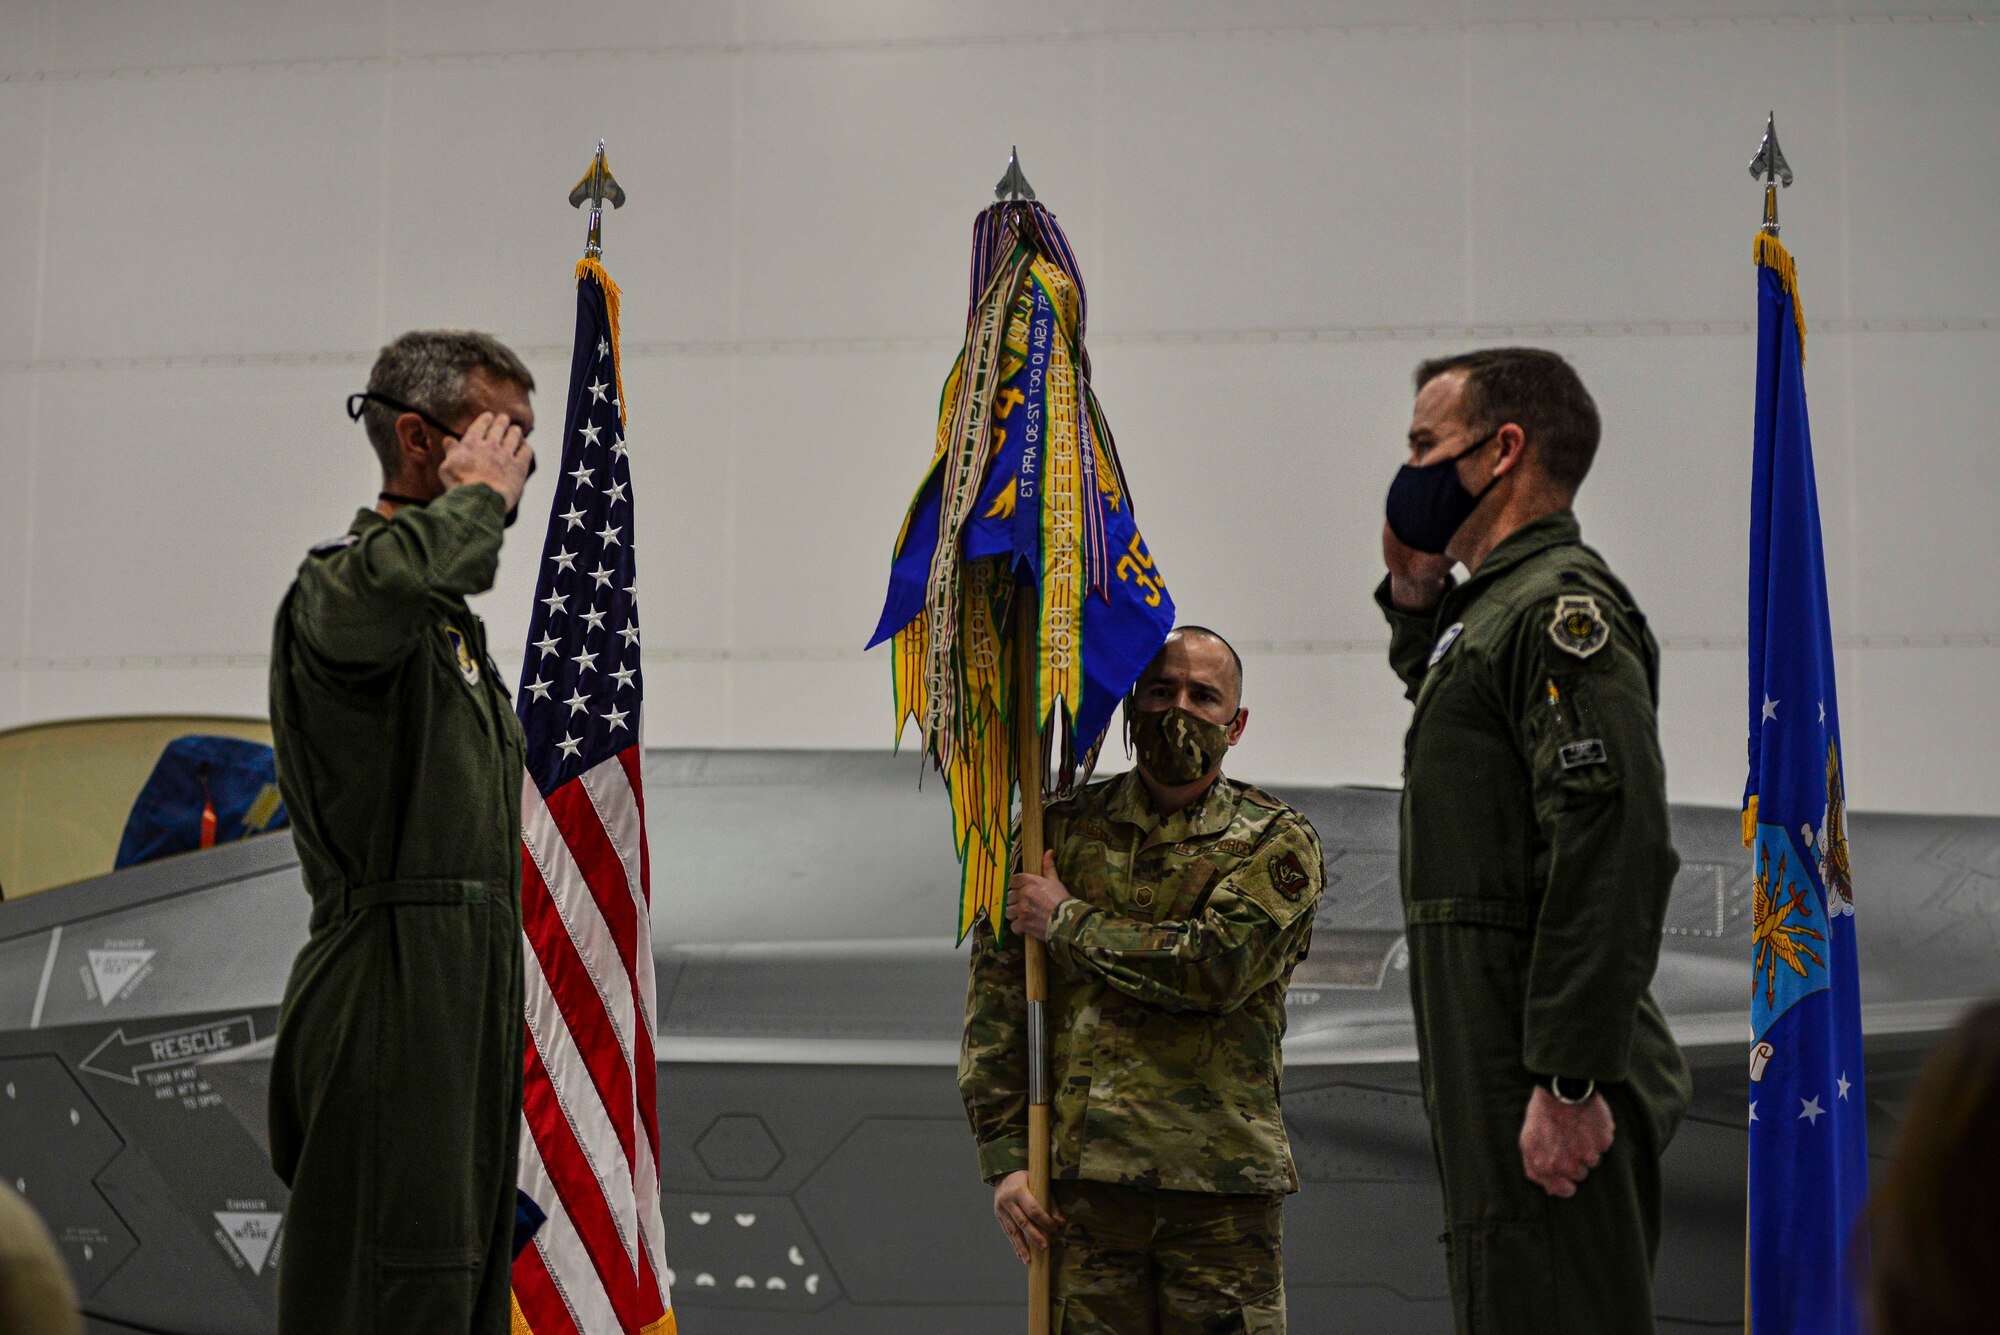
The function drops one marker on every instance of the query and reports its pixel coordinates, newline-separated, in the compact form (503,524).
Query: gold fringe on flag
(1771,253)
(591,267)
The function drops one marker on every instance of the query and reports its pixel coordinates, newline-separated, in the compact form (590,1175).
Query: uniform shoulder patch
(1288,876)
(1445,641)
(333,544)
(468,667)
(1578,627)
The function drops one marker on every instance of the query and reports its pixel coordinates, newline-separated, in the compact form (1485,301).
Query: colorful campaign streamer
(1024,497)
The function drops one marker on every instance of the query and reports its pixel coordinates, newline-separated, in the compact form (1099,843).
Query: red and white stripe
(590,1120)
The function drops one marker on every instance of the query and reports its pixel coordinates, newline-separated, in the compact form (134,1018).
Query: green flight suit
(1167,977)
(396,1084)
(1536,870)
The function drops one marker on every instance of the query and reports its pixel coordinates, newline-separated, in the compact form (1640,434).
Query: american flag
(590,1126)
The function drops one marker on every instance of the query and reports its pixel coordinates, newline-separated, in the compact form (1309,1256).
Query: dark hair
(1537,391)
(1132,695)
(1234,657)
(1936,1216)
(426,368)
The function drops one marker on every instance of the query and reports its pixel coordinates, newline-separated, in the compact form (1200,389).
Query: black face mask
(1427,506)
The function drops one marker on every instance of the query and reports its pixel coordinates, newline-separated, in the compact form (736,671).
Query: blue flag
(1808,1118)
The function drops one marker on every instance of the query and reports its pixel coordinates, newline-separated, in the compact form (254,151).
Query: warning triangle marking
(253,1232)
(114,970)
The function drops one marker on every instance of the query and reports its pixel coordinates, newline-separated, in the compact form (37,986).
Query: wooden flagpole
(1031,768)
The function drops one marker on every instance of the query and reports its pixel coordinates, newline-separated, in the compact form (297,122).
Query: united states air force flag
(1808,1125)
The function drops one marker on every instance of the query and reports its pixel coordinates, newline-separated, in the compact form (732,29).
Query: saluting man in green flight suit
(1536,863)
(396,1084)
(1175,903)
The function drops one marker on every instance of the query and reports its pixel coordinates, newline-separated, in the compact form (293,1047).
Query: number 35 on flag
(1136,566)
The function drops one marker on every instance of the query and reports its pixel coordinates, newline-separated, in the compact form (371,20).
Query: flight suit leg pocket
(1501,1278)
(429,1288)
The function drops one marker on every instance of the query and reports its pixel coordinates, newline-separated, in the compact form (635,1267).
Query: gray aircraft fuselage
(816,1169)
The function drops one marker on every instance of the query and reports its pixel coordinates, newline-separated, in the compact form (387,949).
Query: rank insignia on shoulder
(1288,877)
(468,667)
(333,544)
(1578,627)
(1445,641)
(1578,754)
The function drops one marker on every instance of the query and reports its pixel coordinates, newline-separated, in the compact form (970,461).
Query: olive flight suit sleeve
(363,603)
(1412,637)
(1256,925)
(1585,699)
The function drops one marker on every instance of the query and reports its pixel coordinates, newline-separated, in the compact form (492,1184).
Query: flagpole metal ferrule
(598,187)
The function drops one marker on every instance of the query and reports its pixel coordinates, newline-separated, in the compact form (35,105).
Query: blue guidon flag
(1808,1115)
(590,1126)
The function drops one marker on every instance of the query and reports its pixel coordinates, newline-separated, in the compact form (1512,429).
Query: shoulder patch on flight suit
(333,544)
(1578,627)
(468,666)
(1445,641)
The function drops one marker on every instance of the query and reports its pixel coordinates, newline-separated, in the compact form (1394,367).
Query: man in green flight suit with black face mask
(1175,904)
(395,1101)
(1536,863)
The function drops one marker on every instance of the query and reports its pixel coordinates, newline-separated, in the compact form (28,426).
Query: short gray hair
(426,368)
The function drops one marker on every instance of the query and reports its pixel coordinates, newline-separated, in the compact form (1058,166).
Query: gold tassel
(1771,253)
(1750,823)
(590,267)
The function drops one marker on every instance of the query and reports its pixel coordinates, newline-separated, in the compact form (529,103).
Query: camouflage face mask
(1177,747)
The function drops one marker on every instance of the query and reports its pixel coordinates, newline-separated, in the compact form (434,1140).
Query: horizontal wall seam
(1443,28)
(1100,338)
(843,654)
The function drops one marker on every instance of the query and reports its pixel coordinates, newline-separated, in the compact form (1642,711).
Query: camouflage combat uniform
(1167,978)
(395,1106)
(1536,870)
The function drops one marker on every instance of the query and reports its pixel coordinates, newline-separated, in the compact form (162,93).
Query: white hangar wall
(215,213)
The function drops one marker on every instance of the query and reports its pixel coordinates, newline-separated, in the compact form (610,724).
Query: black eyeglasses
(357,404)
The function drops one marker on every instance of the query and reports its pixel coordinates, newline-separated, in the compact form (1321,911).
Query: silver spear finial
(1770,167)
(599,187)
(1013,187)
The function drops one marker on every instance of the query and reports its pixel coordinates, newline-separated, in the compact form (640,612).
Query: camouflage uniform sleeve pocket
(1285,876)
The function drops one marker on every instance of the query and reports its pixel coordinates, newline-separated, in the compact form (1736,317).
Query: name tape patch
(1578,754)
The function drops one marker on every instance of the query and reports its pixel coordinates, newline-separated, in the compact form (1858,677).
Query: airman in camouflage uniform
(1175,904)
(1536,860)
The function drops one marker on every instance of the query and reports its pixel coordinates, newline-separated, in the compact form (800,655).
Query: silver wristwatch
(1571,1092)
